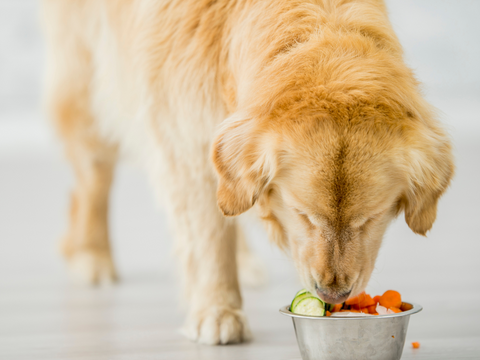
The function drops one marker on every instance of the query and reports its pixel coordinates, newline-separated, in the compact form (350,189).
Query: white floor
(44,315)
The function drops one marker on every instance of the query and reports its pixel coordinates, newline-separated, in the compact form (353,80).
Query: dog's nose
(333,297)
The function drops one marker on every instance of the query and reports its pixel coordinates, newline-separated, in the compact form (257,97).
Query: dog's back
(135,65)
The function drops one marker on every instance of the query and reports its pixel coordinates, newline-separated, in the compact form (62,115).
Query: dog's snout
(333,287)
(332,296)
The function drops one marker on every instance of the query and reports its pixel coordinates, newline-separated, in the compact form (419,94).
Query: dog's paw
(218,326)
(92,267)
(251,270)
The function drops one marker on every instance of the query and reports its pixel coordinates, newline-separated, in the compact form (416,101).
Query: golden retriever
(304,108)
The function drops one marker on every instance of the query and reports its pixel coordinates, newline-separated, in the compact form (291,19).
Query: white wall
(440,37)
(21,56)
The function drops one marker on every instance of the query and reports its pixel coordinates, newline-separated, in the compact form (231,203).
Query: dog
(303,109)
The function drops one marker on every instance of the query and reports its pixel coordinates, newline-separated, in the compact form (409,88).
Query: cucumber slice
(297,298)
(303,291)
(310,306)
(305,294)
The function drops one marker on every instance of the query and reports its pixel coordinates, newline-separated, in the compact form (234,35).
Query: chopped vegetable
(415,345)
(382,310)
(391,298)
(329,307)
(310,306)
(297,299)
(300,292)
(356,299)
(406,306)
(337,307)
(306,303)
(366,301)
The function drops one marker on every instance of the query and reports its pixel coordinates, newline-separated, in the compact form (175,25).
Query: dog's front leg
(206,247)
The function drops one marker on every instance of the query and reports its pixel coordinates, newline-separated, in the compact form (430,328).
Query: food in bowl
(350,332)
(306,303)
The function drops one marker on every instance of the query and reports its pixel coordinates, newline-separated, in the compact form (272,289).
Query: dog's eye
(362,221)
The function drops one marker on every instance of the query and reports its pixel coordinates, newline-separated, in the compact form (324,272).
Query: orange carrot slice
(356,299)
(415,345)
(337,308)
(391,298)
(328,313)
(372,309)
(376,299)
(366,301)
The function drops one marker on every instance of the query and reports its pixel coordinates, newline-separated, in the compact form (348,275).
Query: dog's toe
(92,268)
(218,327)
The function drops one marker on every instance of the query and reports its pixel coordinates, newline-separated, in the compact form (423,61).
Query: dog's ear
(241,158)
(430,164)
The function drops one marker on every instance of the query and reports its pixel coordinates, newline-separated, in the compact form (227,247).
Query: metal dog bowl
(379,337)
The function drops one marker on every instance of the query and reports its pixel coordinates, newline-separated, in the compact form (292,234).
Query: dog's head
(327,187)
(331,146)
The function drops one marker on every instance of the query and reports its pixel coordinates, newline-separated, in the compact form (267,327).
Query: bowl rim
(285,310)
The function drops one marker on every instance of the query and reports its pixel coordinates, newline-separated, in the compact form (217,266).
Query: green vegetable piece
(311,306)
(297,298)
(300,292)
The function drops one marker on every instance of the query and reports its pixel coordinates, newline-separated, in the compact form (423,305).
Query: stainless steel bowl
(379,337)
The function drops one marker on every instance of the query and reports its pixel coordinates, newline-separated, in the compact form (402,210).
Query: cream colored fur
(304,108)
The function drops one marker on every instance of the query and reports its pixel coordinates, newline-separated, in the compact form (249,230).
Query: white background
(440,37)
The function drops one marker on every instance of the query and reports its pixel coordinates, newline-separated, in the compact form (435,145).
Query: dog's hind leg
(86,244)
(251,270)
